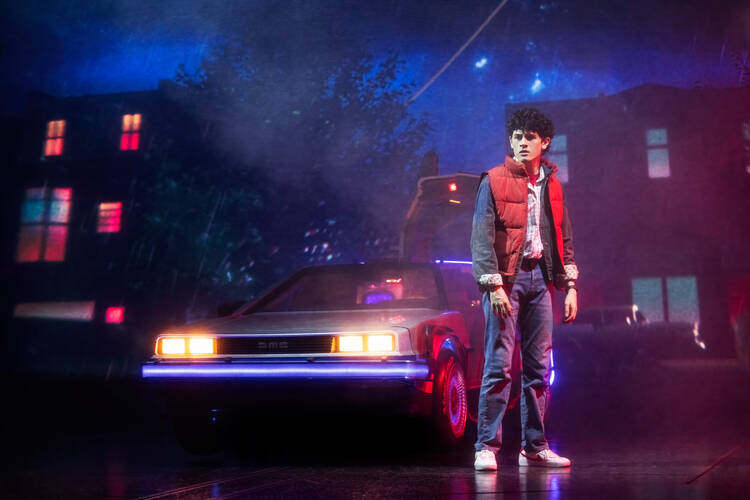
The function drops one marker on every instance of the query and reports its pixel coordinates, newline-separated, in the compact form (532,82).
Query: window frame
(654,145)
(52,224)
(54,138)
(130,131)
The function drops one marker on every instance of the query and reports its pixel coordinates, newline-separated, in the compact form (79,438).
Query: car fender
(445,339)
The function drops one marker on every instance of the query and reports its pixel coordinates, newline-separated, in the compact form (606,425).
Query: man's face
(527,145)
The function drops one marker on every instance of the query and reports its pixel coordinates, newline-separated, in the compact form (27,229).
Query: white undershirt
(532,245)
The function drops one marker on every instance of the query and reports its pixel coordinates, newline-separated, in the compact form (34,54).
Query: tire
(450,401)
(198,434)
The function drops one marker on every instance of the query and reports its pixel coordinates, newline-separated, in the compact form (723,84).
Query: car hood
(310,322)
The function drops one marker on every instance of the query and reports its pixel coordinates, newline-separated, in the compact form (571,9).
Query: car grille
(312,344)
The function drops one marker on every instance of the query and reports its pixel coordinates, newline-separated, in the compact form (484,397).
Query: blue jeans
(531,300)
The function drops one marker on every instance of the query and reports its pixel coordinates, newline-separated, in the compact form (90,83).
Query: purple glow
(375,298)
(289,370)
(552,366)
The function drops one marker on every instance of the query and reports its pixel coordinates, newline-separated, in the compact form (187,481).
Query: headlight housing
(189,345)
(366,343)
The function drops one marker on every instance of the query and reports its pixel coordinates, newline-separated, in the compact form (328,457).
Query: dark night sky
(574,49)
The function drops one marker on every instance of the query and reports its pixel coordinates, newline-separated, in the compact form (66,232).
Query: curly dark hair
(531,120)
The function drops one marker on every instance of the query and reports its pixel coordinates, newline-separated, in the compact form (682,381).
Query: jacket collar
(518,169)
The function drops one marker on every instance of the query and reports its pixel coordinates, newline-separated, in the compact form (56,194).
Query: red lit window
(109,217)
(131,130)
(115,314)
(452,187)
(44,225)
(53,143)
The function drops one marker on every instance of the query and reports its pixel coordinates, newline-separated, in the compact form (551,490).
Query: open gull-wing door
(438,224)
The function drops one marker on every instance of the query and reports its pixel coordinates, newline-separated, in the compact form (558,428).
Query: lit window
(746,137)
(131,129)
(115,315)
(658,153)
(647,295)
(55,138)
(109,217)
(44,225)
(681,294)
(682,299)
(75,311)
(559,156)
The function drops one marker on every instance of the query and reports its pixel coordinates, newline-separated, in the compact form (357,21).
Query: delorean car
(406,334)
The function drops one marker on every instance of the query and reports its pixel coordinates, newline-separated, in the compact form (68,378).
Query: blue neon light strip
(289,370)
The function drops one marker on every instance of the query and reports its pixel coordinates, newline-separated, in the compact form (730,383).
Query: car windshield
(354,287)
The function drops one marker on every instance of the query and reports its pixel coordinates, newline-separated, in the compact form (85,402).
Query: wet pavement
(678,431)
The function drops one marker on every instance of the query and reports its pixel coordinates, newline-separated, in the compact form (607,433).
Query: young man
(521,244)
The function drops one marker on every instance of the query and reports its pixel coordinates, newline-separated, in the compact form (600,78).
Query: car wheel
(197,434)
(450,400)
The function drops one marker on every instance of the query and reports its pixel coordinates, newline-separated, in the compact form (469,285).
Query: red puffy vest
(508,183)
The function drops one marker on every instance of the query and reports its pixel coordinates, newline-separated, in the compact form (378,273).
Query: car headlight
(379,343)
(170,346)
(351,343)
(185,346)
(201,345)
(366,343)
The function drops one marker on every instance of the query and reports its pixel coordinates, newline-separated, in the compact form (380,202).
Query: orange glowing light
(109,217)
(186,346)
(201,345)
(173,346)
(131,126)
(379,343)
(351,343)
(53,144)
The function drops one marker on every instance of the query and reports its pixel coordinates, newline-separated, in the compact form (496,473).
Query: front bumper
(281,387)
(399,370)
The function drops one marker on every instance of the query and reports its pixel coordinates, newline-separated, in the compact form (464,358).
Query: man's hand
(571,305)
(500,303)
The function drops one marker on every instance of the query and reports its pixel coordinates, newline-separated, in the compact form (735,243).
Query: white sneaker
(485,460)
(545,458)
